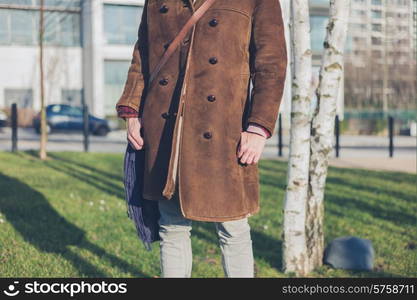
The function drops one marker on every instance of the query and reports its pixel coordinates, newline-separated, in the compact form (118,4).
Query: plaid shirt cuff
(126,112)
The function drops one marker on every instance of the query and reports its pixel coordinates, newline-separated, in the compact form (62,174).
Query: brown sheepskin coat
(234,43)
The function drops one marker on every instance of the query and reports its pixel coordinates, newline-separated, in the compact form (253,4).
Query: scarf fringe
(144,213)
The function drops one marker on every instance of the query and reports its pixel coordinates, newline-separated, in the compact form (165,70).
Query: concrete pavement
(370,152)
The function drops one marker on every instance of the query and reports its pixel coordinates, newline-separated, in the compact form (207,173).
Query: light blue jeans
(175,246)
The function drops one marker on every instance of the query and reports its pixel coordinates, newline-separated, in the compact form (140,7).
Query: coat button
(207,135)
(163,81)
(165,115)
(163,9)
(213,22)
(211,98)
(213,60)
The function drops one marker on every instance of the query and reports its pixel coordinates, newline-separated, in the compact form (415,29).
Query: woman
(202,129)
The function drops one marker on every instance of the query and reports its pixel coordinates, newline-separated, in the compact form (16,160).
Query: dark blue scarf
(143,212)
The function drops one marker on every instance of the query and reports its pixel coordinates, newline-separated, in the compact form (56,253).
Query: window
(115,74)
(377,27)
(47,3)
(71,97)
(318,31)
(359,40)
(358,26)
(376,2)
(349,43)
(22,97)
(377,14)
(358,13)
(121,23)
(21,26)
(72,111)
(4,27)
(320,2)
(376,41)
(62,29)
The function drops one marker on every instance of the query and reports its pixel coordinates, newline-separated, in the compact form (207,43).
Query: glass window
(349,43)
(377,14)
(74,111)
(376,41)
(376,2)
(60,3)
(358,13)
(70,30)
(20,27)
(121,23)
(17,2)
(62,29)
(115,74)
(71,97)
(4,27)
(48,3)
(320,2)
(377,27)
(318,31)
(51,23)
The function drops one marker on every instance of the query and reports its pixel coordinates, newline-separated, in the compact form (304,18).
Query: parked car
(3,119)
(63,117)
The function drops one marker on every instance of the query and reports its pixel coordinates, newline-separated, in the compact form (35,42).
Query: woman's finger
(134,142)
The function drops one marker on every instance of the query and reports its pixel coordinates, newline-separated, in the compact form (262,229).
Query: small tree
(294,243)
(322,127)
(311,139)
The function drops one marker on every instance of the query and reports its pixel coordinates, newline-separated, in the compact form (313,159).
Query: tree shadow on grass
(41,225)
(108,175)
(84,173)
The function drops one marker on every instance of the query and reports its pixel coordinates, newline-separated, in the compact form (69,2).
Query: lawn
(66,217)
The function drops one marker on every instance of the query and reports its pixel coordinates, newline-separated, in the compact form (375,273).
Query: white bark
(322,132)
(294,211)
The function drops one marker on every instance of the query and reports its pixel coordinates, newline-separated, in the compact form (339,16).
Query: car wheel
(48,129)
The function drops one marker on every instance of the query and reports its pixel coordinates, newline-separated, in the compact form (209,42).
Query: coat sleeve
(133,91)
(268,63)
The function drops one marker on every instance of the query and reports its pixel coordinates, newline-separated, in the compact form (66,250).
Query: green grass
(66,217)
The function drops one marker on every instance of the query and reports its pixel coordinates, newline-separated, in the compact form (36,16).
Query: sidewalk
(366,152)
(370,152)
(397,164)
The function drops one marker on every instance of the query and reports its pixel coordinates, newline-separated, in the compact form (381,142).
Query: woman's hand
(133,133)
(250,147)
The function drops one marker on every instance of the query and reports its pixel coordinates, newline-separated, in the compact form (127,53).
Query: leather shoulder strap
(180,36)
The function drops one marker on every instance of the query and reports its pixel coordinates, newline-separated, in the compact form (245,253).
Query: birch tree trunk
(294,241)
(322,131)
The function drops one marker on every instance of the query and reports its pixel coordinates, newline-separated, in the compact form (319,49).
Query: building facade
(382,63)
(88,47)
(89,43)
